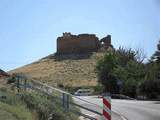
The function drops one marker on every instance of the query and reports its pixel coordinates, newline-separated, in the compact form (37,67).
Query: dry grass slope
(69,70)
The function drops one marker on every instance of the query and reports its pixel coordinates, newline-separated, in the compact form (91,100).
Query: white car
(83,92)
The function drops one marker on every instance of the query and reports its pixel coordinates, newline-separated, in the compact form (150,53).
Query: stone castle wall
(81,43)
(77,44)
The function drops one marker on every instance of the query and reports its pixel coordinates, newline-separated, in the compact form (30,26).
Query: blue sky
(29,28)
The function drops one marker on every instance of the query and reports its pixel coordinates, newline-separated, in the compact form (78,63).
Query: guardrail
(63,96)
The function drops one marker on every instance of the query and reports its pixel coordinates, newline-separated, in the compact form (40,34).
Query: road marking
(122,117)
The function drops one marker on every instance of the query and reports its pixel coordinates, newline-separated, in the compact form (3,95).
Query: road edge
(119,114)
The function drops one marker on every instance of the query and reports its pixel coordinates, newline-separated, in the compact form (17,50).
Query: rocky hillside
(70,70)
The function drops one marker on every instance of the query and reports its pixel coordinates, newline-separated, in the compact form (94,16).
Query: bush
(151,88)
(19,111)
(11,79)
(14,105)
(98,89)
(38,102)
(46,105)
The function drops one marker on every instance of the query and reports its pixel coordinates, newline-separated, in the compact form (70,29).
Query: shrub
(14,105)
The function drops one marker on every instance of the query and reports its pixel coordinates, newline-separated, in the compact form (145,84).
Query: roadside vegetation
(13,107)
(123,71)
(33,106)
(47,107)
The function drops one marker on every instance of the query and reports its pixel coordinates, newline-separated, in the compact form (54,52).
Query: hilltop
(74,62)
(68,70)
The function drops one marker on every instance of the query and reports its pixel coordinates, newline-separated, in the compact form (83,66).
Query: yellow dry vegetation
(69,72)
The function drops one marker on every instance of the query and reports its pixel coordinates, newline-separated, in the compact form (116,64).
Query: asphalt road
(95,104)
(137,110)
(129,109)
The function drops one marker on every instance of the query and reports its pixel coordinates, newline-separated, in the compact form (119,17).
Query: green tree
(150,87)
(105,68)
(121,66)
(156,55)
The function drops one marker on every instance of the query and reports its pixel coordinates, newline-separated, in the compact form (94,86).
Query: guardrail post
(107,108)
(18,83)
(65,101)
(25,84)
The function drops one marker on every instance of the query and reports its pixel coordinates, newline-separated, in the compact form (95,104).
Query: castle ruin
(82,43)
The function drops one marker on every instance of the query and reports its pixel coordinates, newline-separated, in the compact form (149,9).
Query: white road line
(123,117)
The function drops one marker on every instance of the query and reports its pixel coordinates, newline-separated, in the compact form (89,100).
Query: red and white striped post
(107,108)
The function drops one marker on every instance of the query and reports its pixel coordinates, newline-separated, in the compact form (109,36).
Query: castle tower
(106,41)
